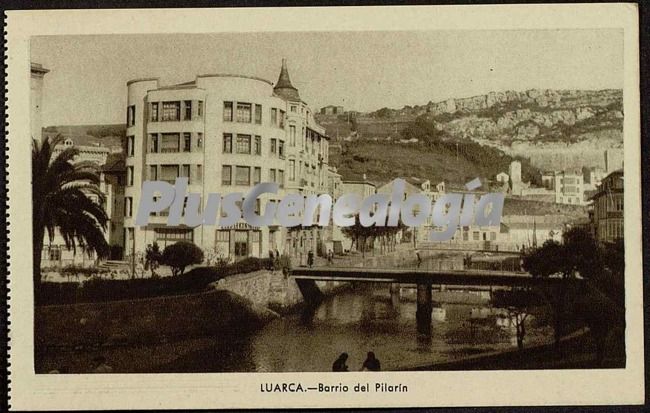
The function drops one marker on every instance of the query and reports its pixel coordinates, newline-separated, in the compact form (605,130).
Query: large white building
(226,133)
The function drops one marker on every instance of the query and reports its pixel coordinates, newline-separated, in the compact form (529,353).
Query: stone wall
(144,320)
(270,288)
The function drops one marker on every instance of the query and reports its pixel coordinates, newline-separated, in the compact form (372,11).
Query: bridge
(423,278)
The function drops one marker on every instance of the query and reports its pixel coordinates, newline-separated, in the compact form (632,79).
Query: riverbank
(139,335)
(577,351)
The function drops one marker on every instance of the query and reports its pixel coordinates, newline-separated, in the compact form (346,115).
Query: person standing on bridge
(310,258)
(419,259)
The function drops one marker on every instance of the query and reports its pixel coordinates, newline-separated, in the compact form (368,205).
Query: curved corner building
(225,133)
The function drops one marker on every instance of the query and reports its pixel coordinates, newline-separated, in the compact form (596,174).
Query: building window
(199,140)
(292,170)
(223,236)
(258,114)
(281,123)
(227,143)
(128,206)
(170,142)
(199,173)
(293,108)
(243,175)
(171,111)
(129,176)
(200,109)
(222,241)
(292,135)
(257,175)
(274,116)
(244,144)
(130,145)
(272,175)
(226,175)
(153,214)
(476,235)
(281,178)
(187,115)
(281,149)
(154,112)
(153,143)
(227,111)
(169,173)
(153,172)
(130,115)
(187,142)
(274,143)
(258,145)
(185,173)
(168,236)
(244,114)
(619,203)
(54,253)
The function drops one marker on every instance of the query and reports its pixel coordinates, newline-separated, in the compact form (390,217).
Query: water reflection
(367,318)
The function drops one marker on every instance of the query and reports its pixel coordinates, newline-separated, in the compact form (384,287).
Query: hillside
(554,129)
(381,162)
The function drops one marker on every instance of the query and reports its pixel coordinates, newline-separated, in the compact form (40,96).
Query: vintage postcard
(324,207)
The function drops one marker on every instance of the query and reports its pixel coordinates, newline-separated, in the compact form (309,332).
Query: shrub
(180,255)
(100,290)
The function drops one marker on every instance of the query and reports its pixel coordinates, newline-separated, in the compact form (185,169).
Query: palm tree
(61,191)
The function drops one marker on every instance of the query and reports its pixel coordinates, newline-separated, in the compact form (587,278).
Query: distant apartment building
(225,133)
(332,110)
(568,186)
(516,232)
(608,207)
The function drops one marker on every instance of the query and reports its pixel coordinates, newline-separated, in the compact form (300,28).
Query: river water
(362,319)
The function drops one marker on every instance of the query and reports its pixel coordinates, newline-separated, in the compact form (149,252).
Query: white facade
(226,133)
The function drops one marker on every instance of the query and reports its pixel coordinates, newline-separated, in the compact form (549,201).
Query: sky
(362,71)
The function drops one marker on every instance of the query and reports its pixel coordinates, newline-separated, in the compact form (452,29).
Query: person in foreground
(339,364)
(371,363)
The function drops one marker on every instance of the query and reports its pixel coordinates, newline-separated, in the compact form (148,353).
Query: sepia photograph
(542,289)
(212,205)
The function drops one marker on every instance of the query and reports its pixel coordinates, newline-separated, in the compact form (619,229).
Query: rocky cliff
(555,129)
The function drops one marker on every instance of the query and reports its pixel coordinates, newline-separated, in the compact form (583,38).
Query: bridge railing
(426,263)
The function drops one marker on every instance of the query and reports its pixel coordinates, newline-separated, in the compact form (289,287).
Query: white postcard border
(474,388)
